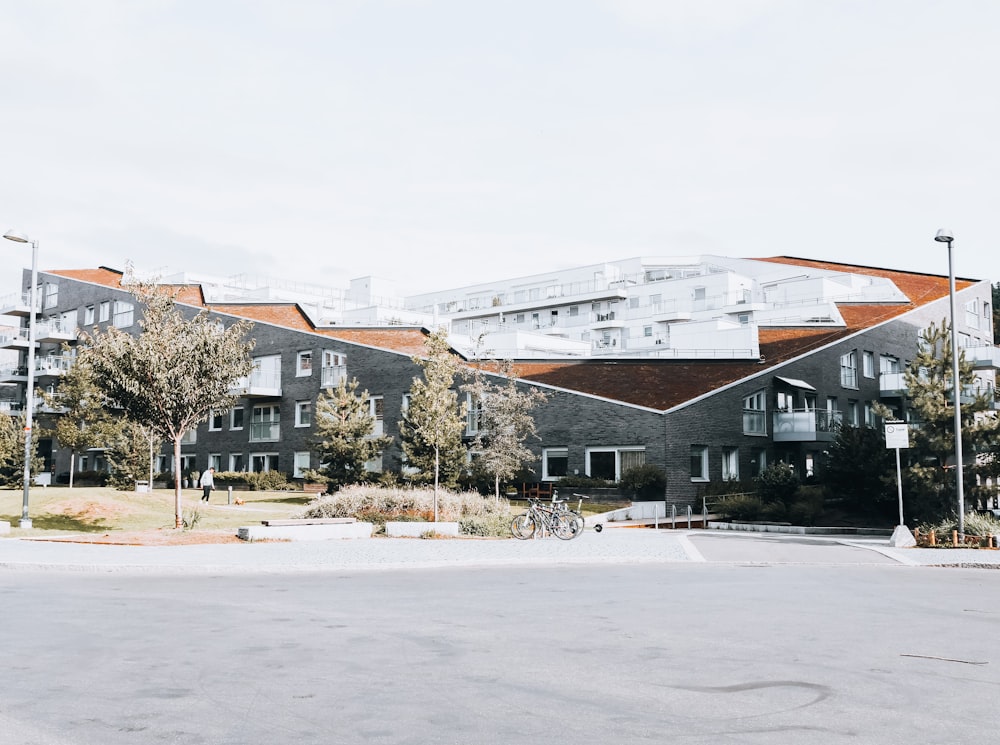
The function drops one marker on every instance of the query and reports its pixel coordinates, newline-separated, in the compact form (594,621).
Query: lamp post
(18,237)
(945,236)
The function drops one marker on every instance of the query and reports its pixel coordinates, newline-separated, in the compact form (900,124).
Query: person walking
(207,483)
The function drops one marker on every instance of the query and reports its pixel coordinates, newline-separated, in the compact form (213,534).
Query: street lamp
(945,236)
(18,237)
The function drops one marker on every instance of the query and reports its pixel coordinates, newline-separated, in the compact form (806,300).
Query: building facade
(710,368)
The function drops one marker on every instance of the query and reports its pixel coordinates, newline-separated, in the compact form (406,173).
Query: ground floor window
(237,462)
(263,462)
(730,464)
(699,463)
(300,463)
(215,461)
(609,463)
(758,462)
(555,462)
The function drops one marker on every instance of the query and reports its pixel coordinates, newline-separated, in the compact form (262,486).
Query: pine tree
(930,486)
(345,438)
(432,426)
(12,451)
(504,423)
(174,372)
(128,448)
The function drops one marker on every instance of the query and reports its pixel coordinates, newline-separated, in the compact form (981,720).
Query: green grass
(59,509)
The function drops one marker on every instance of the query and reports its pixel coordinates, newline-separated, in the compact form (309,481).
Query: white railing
(330,377)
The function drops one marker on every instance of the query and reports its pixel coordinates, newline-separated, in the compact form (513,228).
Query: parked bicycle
(562,505)
(546,519)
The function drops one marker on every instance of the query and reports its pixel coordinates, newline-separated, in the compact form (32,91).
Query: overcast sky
(439,143)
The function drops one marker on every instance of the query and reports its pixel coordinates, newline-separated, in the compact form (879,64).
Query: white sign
(897,435)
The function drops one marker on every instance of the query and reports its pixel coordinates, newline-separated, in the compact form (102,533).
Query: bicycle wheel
(522,527)
(564,527)
(578,523)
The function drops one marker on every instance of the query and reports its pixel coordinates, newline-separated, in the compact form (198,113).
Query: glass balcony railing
(265,431)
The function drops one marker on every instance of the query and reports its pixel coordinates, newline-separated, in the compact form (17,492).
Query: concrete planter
(415,530)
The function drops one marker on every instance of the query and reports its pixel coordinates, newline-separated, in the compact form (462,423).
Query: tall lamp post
(945,236)
(18,237)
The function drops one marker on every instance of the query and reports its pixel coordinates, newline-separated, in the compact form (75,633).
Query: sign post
(897,435)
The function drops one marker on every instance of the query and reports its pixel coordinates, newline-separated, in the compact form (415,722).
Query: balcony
(983,358)
(258,385)
(53,365)
(609,320)
(265,431)
(892,385)
(55,331)
(806,425)
(13,375)
(19,304)
(754,422)
(11,408)
(331,377)
(15,339)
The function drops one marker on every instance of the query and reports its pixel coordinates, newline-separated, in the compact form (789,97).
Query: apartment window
(655,300)
(404,405)
(304,364)
(743,318)
(971,314)
(214,420)
(555,462)
(88,315)
(215,461)
(868,364)
(784,401)
(633,302)
(237,462)
(265,425)
(870,418)
(300,463)
(376,409)
(755,414)
(519,318)
(473,414)
(699,463)
(51,295)
(190,437)
(574,310)
(849,369)
(303,413)
(647,331)
(852,412)
(334,369)
(730,464)
(610,462)
(105,311)
(758,462)
(236,417)
(263,462)
(124,314)
(888,365)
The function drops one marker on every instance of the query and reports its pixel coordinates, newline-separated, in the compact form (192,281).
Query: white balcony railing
(331,376)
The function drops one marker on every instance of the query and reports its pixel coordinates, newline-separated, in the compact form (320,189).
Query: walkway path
(617,546)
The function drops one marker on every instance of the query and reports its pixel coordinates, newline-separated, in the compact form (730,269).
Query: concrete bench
(306,529)
(310,521)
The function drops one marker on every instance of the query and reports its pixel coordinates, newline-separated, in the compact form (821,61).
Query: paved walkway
(621,546)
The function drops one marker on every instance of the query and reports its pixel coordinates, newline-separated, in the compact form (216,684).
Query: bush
(585,481)
(773,512)
(378,505)
(645,482)
(267,481)
(741,508)
(496,525)
(778,483)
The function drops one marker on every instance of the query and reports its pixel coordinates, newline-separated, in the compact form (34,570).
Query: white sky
(440,143)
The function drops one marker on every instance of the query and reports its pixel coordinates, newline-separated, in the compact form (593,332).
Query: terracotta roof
(102,276)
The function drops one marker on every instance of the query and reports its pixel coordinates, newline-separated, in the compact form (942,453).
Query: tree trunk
(72,465)
(178,521)
(496,487)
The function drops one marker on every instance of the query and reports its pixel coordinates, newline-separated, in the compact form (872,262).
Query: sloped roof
(655,384)
(663,384)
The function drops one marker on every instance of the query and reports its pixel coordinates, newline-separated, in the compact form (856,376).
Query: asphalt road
(683,652)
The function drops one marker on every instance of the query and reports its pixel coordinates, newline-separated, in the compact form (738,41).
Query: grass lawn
(61,510)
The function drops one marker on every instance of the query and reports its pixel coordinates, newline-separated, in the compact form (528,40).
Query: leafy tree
(345,438)
(173,372)
(931,486)
(860,470)
(12,452)
(127,449)
(85,421)
(432,426)
(505,423)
